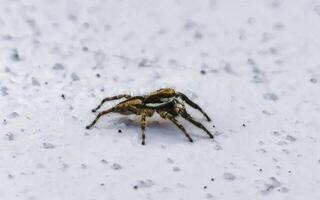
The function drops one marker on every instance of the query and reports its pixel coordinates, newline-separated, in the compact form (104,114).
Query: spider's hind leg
(110,99)
(166,115)
(188,117)
(192,104)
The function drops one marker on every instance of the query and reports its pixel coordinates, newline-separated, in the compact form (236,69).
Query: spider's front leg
(192,104)
(110,99)
(166,115)
(188,117)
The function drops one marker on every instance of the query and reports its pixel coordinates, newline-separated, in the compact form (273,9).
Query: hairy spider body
(166,102)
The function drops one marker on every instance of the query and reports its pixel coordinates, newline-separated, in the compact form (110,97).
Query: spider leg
(188,117)
(143,126)
(192,104)
(166,115)
(110,99)
(98,116)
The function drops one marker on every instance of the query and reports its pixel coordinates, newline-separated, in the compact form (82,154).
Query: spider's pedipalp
(192,104)
(166,115)
(110,99)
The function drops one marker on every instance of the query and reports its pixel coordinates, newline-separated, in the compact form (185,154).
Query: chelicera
(168,103)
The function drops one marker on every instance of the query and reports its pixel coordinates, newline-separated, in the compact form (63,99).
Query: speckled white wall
(254,67)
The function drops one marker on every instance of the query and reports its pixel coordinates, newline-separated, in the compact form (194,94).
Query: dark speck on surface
(229,176)
(10,136)
(203,72)
(244,125)
(313,80)
(212,179)
(58,66)
(116,166)
(176,169)
(15,56)
(104,161)
(35,82)
(270,97)
(85,48)
(98,75)
(146,63)
(205,187)
(74,77)
(63,97)
(119,131)
(4,91)
(135,187)
(46,145)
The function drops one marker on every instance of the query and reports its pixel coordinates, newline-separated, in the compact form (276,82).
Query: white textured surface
(262,69)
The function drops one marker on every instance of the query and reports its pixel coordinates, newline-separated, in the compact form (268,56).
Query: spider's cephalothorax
(166,102)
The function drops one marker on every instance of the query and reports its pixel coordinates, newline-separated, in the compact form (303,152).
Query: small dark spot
(205,187)
(116,166)
(75,77)
(35,82)
(244,125)
(72,17)
(10,136)
(10,176)
(46,83)
(98,75)
(101,184)
(46,145)
(85,48)
(289,171)
(209,196)
(198,35)
(260,170)
(14,115)
(170,161)
(291,138)
(203,72)
(229,176)
(15,56)
(5,122)
(119,131)
(4,91)
(212,179)
(58,66)
(145,63)
(135,187)
(176,169)
(104,161)
(63,97)
(270,96)
(84,166)
(213,126)
(283,190)
(313,80)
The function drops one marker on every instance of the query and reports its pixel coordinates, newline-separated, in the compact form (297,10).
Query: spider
(166,102)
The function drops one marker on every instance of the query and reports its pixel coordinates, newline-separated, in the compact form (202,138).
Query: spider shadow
(157,129)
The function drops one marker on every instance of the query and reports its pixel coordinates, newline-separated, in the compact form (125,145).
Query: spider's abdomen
(159,96)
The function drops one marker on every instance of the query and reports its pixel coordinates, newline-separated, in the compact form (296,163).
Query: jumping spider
(166,102)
